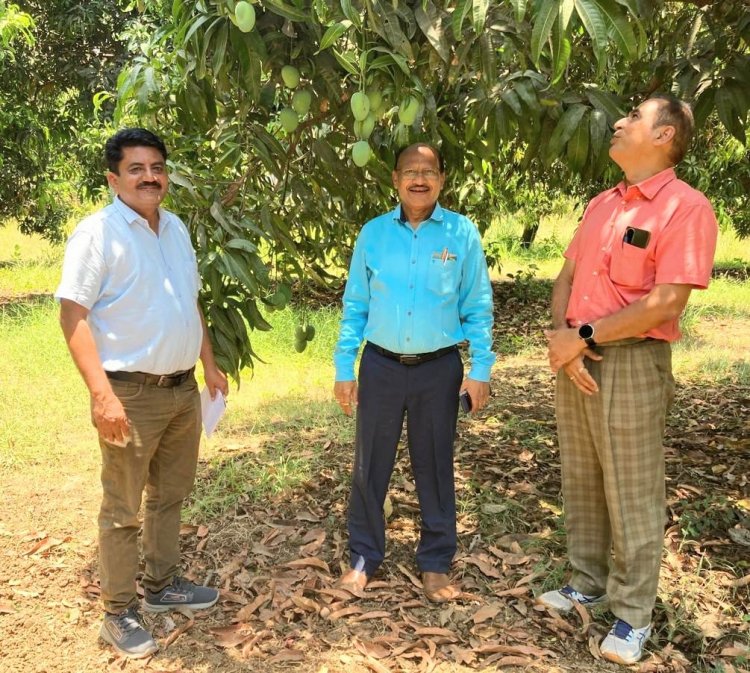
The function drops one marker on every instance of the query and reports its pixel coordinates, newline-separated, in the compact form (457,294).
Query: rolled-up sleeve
(83,269)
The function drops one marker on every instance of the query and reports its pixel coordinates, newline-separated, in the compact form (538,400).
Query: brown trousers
(613,475)
(161,457)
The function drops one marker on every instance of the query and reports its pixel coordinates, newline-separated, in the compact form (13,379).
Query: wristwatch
(586,332)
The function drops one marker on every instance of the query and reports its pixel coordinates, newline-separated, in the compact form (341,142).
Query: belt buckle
(409,359)
(164,381)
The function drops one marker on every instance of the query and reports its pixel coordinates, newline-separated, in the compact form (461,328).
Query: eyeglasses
(411,174)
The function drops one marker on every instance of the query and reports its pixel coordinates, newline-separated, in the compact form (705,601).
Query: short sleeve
(684,252)
(83,269)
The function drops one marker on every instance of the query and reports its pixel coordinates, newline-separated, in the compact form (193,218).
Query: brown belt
(158,380)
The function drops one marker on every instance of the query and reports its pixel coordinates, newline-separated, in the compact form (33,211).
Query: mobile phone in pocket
(638,238)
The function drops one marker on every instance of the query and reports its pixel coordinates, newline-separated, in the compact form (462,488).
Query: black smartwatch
(586,332)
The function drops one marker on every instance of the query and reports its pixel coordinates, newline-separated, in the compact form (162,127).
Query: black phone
(465,401)
(637,237)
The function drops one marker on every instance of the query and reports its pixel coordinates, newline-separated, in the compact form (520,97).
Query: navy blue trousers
(427,394)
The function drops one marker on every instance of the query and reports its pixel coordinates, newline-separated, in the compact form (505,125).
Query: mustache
(149,184)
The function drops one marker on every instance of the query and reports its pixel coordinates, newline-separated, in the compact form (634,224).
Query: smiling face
(418,179)
(141,179)
(638,138)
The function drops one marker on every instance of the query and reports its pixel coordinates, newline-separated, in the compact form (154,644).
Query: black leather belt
(412,359)
(158,380)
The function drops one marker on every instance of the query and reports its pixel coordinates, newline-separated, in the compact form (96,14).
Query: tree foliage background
(519,94)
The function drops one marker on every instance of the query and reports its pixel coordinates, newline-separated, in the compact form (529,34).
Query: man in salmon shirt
(637,254)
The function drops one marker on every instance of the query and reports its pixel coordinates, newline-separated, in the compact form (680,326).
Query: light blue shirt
(417,290)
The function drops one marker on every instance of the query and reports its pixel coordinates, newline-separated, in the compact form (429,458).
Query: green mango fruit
(361,153)
(299,346)
(244,14)
(407,111)
(289,119)
(301,101)
(364,129)
(290,75)
(300,333)
(360,105)
(309,332)
(376,100)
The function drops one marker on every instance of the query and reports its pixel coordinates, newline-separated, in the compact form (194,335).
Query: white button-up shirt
(141,289)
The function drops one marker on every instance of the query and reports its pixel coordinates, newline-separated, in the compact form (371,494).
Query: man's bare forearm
(83,349)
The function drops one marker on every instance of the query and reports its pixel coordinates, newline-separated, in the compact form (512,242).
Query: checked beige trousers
(613,474)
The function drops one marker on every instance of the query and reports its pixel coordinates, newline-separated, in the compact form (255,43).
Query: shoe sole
(590,604)
(104,635)
(190,606)
(619,660)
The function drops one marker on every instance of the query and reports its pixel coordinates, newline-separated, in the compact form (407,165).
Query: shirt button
(408,339)
(411,287)
(596,273)
(408,313)
(415,235)
(414,261)
(585,297)
(604,249)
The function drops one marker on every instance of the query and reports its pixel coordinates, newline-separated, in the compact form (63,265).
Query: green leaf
(430,22)
(593,21)
(459,16)
(346,61)
(578,145)
(566,126)
(543,23)
(241,244)
(728,113)
(519,9)
(620,28)
(605,101)
(333,33)
(561,48)
(350,13)
(566,11)
(479,15)
(703,107)
(286,10)
(597,132)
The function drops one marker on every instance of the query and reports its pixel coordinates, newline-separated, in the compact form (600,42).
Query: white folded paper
(212,410)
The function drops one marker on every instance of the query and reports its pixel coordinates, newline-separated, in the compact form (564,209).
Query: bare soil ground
(276,561)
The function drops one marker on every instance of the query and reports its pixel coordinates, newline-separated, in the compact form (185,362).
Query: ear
(113,180)
(664,135)
(394,177)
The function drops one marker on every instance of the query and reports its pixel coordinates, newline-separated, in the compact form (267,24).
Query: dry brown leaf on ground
(231,597)
(412,578)
(484,565)
(304,603)
(309,562)
(345,612)
(245,612)
(593,643)
(486,612)
(373,614)
(738,583)
(6,609)
(375,666)
(287,655)
(584,615)
(44,545)
(174,635)
(514,591)
(231,636)
(313,541)
(501,661)
(736,650)
(371,649)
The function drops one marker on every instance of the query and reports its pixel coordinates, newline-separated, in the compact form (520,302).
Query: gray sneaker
(180,592)
(126,633)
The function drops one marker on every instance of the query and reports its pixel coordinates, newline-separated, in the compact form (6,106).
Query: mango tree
(284,116)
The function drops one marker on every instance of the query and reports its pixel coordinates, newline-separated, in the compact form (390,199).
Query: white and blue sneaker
(624,644)
(562,599)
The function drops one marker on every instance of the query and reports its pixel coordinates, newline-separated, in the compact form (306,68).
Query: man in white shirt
(130,315)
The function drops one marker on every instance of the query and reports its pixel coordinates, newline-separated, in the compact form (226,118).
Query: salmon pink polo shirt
(632,238)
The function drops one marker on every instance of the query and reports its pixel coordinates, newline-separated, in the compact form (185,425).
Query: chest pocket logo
(442,276)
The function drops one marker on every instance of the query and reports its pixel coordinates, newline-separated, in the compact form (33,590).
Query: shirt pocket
(441,276)
(630,266)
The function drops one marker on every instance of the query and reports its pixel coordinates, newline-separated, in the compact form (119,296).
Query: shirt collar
(648,188)
(436,216)
(132,217)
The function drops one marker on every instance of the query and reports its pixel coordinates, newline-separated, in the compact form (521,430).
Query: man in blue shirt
(418,286)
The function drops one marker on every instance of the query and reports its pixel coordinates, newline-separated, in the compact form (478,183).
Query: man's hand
(576,371)
(109,417)
(215,380)
(563,345)
(345,393)
(479,392)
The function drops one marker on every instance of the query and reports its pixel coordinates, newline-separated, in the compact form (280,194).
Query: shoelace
(129,621)
(624,631)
